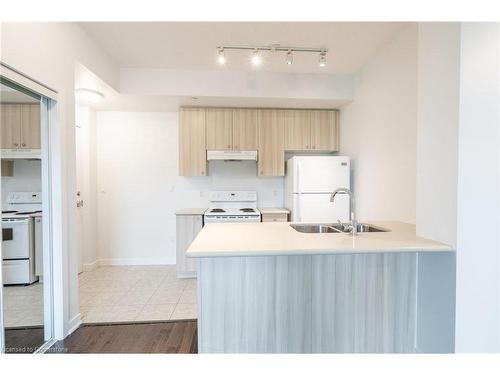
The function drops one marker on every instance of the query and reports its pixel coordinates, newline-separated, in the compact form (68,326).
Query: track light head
(289,57)
(221,58)
(322,59)
(256,60)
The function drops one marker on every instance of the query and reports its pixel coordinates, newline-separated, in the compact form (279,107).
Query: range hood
(17,153)
(231,155)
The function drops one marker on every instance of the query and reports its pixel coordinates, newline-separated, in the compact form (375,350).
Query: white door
(80,152)
(321,174)
(317,208)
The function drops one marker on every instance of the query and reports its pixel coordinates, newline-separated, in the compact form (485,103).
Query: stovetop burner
(9,212)
(247,209)
(217,210)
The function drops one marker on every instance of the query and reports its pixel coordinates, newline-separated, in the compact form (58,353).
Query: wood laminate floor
(161,337)
(23,340)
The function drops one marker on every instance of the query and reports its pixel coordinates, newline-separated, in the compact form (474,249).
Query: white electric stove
(232,207)
(18,237)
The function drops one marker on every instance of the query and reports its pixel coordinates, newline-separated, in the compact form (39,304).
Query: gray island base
(350,303)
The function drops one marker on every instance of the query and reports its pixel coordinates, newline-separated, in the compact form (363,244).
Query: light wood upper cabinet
(192,148)
(30,126)
(245,122)
(219,127)
(10,124)
(297,130)
(20,126)
(271,131)
(324,131)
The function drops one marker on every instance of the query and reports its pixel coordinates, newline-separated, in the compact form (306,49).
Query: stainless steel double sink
(335,228)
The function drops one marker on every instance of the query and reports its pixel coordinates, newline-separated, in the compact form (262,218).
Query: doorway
(26,293)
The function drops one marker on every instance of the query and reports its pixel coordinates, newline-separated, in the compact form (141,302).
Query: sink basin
(335,228)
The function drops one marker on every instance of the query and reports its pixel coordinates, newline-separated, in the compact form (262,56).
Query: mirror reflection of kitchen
(22,256)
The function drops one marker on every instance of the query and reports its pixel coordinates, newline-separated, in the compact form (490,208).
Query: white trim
(88,267)
(134,262)
(27,82)
(46,346)
(74,323)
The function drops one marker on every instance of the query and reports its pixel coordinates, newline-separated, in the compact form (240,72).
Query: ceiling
(192,45)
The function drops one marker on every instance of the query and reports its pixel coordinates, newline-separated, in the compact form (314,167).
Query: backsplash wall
(27,177)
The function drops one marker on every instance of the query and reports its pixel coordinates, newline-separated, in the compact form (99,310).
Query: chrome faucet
(354,224)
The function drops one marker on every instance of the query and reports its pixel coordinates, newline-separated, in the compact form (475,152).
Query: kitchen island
(267,288)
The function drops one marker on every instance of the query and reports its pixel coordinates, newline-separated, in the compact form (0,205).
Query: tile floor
(136,293)
(23,305)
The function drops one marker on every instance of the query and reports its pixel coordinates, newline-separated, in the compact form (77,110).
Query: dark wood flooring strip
(163,337)
(23,340)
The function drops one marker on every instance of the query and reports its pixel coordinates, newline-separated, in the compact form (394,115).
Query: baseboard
(135,262)
(87,267)
(74,323)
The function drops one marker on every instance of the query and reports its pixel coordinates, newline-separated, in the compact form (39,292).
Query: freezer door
(320,174)
(317,208)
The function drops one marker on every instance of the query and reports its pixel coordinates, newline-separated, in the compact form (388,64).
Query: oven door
(16,238)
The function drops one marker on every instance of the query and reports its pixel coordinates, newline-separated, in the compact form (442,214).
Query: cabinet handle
(24,144)
(202,172)
(16,144)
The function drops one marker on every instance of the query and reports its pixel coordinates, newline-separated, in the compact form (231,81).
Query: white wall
(27,177)
(437,150)
(478,256)
(48,52)
(177,82)
(378,130)
(139,188)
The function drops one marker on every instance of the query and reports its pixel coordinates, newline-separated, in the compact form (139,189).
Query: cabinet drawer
(16,271)
(274,217)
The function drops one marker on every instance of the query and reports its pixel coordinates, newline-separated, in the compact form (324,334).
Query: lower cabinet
(270,217)
(187,228)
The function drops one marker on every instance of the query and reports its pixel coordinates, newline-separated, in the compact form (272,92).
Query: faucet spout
(354,223)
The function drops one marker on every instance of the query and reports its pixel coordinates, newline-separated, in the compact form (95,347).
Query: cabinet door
(219,129)
(245,123)
(10,123)
(192,152)
(297,130)
(324,131)
(188,227)
(271,130)
(30,126)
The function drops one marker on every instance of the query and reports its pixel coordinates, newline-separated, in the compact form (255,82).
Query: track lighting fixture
(221,59)
(322,59)
(256,58)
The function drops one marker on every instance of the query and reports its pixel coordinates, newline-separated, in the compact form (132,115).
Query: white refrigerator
(310,182)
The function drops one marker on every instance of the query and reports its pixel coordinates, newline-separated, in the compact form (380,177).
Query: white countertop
(260,239)
(274,210)
(191,211)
